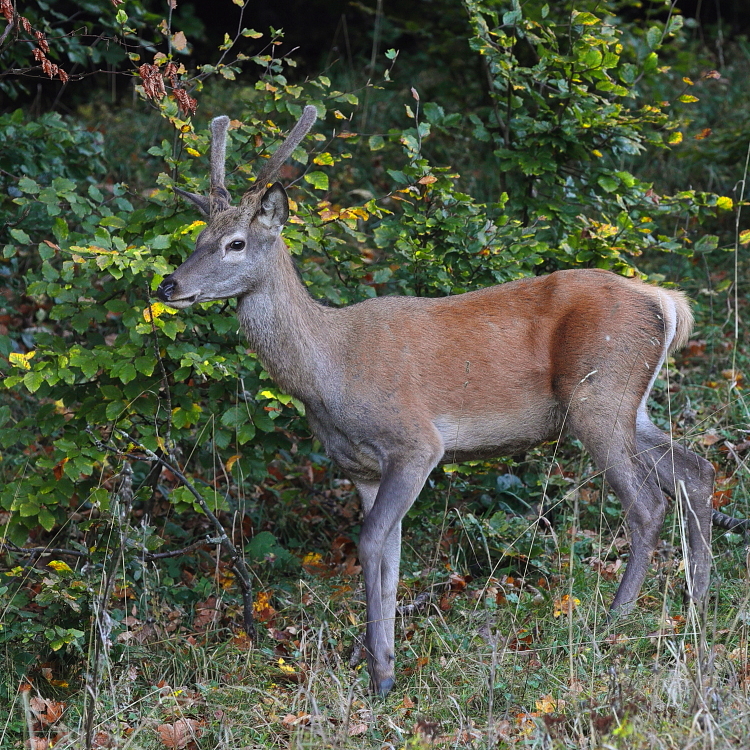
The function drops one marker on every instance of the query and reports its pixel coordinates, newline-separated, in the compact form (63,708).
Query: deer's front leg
(379,553)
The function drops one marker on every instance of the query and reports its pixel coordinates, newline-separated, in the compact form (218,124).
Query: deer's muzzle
(164,292)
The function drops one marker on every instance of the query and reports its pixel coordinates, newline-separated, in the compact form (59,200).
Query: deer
(395,386)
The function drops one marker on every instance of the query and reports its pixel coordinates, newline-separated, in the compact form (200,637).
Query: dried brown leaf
(177,736)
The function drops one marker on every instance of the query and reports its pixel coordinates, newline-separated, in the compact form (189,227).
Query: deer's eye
(236,245)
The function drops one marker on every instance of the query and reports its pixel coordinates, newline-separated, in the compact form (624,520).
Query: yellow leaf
(179,42)
(193,152)
(262,600)
(232,460)
(59,566)
(565,605)
(312,558)
(324,159)
(156,310)
(284,667)
(725,203)
(687,98)
(21,360)
(675,137)
(687,81)
(547,704)
(745,237)
(194,225)
(597,153)
(338,115)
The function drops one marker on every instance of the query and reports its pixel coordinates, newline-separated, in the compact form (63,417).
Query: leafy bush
(95,371)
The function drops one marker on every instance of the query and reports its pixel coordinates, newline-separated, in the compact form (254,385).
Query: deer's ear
(203,203)
(274,208)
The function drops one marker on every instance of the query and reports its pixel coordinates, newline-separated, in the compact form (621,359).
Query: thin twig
(36,551)
(102,622)
(238,563)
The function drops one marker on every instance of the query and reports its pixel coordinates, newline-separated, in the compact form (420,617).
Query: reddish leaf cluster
(40,51)
(153,85)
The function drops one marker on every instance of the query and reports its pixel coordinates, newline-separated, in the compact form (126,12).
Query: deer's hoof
(384,687)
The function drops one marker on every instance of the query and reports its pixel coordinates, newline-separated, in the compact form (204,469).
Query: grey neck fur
(292,333)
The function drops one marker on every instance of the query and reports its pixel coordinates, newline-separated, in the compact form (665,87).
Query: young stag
(396,385)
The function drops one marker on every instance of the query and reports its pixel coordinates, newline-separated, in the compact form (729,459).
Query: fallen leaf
(177,736)
(358,728)
(102,739)
(457,582)
(547,704)
(294,720)
(607,570)
(565,605)
(710,437)
(262,608)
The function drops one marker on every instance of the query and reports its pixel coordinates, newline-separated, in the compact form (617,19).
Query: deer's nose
(164,292)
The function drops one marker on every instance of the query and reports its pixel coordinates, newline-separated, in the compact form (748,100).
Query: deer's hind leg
(642,500)
(674,465)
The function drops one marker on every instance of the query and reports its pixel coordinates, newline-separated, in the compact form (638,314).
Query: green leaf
(706,244)
(375,142)
(650,63)
(28,186)
(145,365)
(160,242)
(584,19)
(653,37)
(20,236)
(46,519)
(235,416)
(610,184)
(113,221)
(319,180)
(32,380)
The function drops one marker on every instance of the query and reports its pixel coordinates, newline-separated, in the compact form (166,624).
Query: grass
(477,674)
(490,662)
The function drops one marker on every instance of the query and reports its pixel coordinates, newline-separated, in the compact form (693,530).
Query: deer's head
(233,252)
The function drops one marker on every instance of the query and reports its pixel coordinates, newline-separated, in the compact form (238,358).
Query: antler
(282,153)
(218,195)
(218,199)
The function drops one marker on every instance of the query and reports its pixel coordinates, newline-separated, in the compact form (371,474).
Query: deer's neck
(290,331)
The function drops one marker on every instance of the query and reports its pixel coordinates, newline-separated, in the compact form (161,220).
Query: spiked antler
(283,152)
(218,199)
(218,195)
